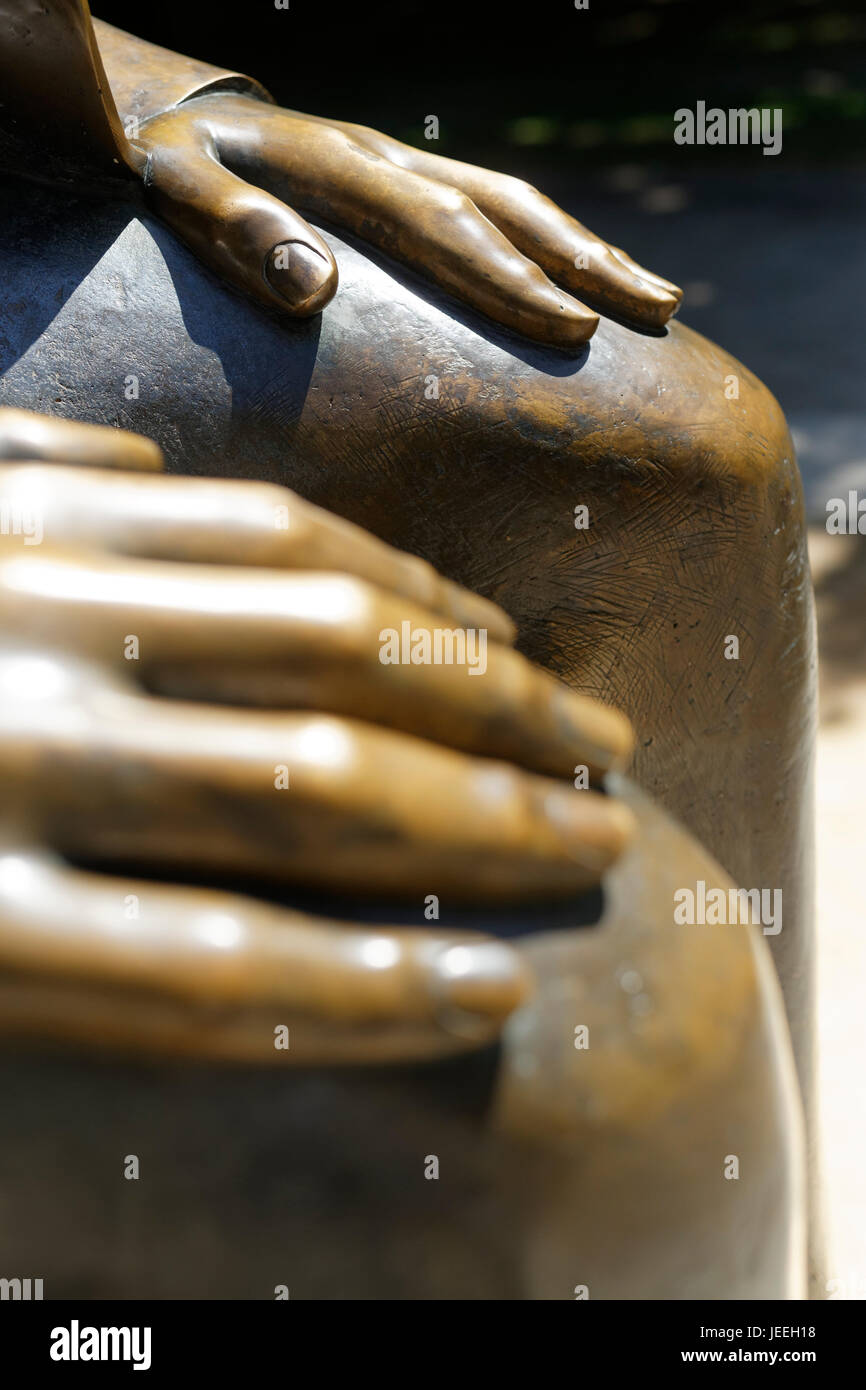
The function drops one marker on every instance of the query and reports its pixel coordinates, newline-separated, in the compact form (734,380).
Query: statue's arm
(58,112)
(80,85)
(147,80)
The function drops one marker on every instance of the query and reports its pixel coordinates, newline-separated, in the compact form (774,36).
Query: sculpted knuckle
(337,141)
(452,201)
(521,190)
(352,613)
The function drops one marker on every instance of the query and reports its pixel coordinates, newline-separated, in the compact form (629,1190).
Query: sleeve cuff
(147,80)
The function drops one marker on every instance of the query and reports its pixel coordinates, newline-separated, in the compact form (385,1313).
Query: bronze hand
(151,603)
(226,169)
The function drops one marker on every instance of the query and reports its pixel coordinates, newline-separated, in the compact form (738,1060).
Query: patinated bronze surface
(696,515)
(559,1168)
(689,1055)
(460,443)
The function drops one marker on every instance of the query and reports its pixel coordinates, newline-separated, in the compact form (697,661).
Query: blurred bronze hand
(135,608)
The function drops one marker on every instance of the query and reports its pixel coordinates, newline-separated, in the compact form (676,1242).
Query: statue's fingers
(569,253)
(244,234)
(219,521)
(572,255)
(307,799)
(307,640)
(435,228)
(27,435)
(645,274)
(140,964)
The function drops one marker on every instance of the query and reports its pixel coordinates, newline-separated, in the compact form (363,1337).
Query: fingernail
(653,295)
(481,978)
(299,274)
(658,282)
(573,325)
(673,290)
(649,277)
(658,306)
(658,293)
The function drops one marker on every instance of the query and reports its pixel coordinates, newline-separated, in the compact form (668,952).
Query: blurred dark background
(593,85)
(770,249)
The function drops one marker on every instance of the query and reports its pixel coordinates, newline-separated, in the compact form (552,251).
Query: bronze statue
(450,439)
(640,1054)
(220,163)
